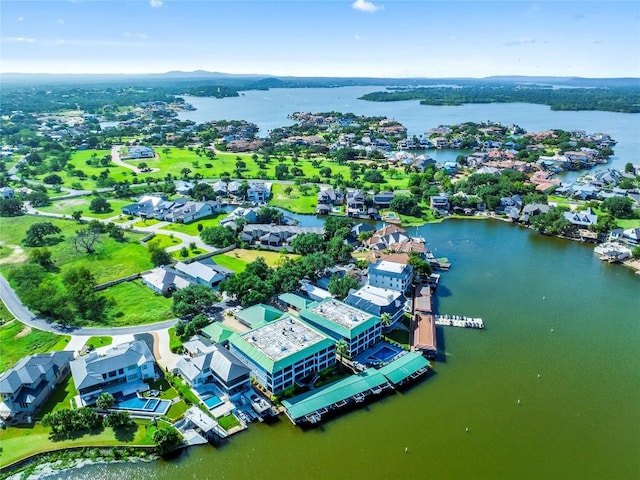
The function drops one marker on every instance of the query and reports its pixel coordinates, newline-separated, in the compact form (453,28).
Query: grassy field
(192,228)
(61,398)
(628,223)
(224,163)
(237,259)
(228,422)
(5,315)
(69,205)
(146,222)
(164,241)
(111,259)
(295,202)
(18,443)
(137,305)
(18,340)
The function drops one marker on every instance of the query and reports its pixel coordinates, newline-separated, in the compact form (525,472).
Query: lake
(562,335)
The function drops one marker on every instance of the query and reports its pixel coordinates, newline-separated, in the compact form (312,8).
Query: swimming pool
(140,404)
(383,354)
(212,402)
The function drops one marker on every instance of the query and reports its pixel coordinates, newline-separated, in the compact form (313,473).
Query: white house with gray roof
(121,371)
(26,386)
(392,275)
(202,273)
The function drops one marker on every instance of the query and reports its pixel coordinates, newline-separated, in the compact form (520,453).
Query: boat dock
(423,332)
(458,321)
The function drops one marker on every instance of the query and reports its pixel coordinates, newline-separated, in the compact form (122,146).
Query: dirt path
(16,256)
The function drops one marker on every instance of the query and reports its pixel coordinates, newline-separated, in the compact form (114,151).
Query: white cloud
(20,19)
(60,21)
(522,41)
(20,40)
(365,6)
(358,37)
(156,3)
(141,36)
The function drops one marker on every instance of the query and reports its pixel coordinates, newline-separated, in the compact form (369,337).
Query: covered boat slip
(310,406)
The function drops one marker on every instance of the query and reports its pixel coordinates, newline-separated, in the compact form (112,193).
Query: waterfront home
(258,192)
(29,383)
(186,211)
(212,364)
(585,218)
(440,203)
(283,352)
(383,199)
(385,274)
(220,188)
(532,210)
(359,329)
(378,301)
(203,272)
(629,236)
(121,371)
(164,281)
(613,252)
(330,197)
(257,314)
(245,215)
(355,203)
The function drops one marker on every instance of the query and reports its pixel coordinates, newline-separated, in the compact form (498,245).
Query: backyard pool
(212,402)
(140,404)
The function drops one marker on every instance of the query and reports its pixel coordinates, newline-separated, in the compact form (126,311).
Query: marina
(458,321)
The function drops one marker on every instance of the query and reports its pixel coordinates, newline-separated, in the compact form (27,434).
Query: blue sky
(324,38)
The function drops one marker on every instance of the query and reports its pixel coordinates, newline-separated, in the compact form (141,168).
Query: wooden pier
(458,321)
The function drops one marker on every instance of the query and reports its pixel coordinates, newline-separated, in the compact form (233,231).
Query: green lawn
(97,342)
(400,336)
(21,442)
(192,228)
(238,258)
(137,304)
(228,422)
(5,315)
(61,398)
(295,201)
(174,340)
(164,241)
(18,340)
(69,205)
(628,223)
(146,222)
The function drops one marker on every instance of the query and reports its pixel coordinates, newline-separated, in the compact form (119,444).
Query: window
(144,367)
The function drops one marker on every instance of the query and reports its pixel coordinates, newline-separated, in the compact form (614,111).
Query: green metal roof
(258,313)
(323,397)
(340,330)
(403,367)
(216,332)
(295,300)
(259,357)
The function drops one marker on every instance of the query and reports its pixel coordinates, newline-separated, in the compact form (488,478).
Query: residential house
(209,363)
(343,322)
(258,192)
(164,281)
(440,204)
(630,236)
(284,352)
(29,383)
(275,235)
(378,301)
(145,206)
(244,215)
(395,276)
(203,272)
(120,371)
(531,210)
(139,152)
(188,211)
(355,203)
(220,188)
(383,199)
(585,218)
(7,193)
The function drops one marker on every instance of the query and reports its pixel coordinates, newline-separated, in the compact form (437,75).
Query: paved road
(23,314)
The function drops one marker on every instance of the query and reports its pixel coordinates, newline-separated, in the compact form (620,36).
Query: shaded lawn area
(400,336)
(69,205)
(174,340)
(192,228)
(18,340)
(192,253)
(238,258)
(228,422)
(60,399)
(21,442)
(296,201)
(136,304)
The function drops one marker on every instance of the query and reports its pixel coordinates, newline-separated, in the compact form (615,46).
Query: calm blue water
(213,401)
(143,404)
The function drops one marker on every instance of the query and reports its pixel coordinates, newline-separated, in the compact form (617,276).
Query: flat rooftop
(390,266)
(340,313)
(377,295)
(282,337)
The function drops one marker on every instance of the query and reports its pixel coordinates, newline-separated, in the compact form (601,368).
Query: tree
(105,401)
(80,283)
(38,231)
(53,179)
(406,205)
(85,239)
(166,439)
(420,266)
(342,349)
(628,167)
(77,215)
(619,207)
(339,285)
(269,215)
(373,176)
(307,243)
(37,198)
(203,191)
(10,207)
(335,226)
(193,299)
(385,319)
(41,256)
(219,237)
(118,419)
(282,171)
(159,256)
(100,205)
